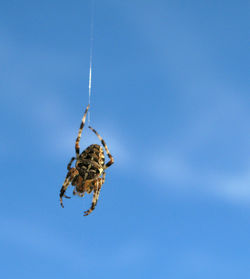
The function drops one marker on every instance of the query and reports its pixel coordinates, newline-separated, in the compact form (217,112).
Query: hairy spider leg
(70,163)
(98,185)
(94,202)
(63,189)
(69,168)
(77,147)
(72,173)
(106,148)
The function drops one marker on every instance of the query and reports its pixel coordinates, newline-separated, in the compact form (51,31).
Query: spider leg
(70,163)
(103,177)
(94,202)
(106,148)
(63,190)
(72,173)
(66,182)
(77,147)
(97,189)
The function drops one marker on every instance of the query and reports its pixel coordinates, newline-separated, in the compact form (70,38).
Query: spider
(89,172)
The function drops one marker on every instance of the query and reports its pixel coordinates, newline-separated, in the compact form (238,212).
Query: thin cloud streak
(39,239)
(180,172)
(52,118)
(219,116)
(234,188)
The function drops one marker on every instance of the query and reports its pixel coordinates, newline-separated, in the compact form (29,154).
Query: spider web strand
(91,53)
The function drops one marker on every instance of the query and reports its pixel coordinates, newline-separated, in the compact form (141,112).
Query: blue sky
(169,96)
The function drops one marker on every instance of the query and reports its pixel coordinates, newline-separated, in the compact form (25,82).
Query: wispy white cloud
(235,188)
(59,131)
(54,246)
(52,117)
(49,114)
(179,171)
(40,240)
(196,261)
(130,252)
(222,126)
(220,119)
(170,167)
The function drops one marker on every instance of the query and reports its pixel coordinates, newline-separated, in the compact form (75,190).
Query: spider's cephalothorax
(89,172)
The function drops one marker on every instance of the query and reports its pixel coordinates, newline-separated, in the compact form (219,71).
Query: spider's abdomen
(91,162)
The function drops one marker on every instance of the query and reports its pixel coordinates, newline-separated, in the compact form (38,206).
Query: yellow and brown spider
(89,172)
